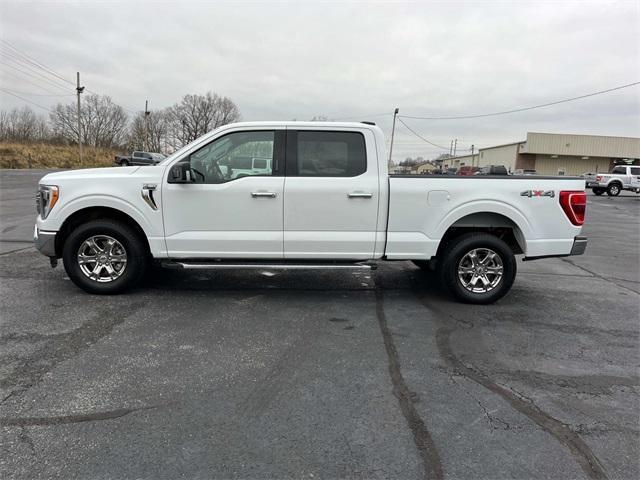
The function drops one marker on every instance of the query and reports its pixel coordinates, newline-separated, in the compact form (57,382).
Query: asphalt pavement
(321,374)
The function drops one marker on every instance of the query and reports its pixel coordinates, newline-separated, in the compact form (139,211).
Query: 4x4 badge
(538,193)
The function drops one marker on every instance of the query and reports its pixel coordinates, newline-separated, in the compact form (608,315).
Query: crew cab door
(231,209)
(331,194)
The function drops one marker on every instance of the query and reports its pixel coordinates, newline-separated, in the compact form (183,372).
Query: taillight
(574,204)
(598,178)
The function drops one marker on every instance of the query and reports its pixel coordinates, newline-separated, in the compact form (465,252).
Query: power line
(420,136)
(40,94)
(46,89)
(47,70)
(35,62)
(31,75)
(17,61)
(542,105)
(26,100)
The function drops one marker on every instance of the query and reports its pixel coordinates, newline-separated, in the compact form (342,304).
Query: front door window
(234,156)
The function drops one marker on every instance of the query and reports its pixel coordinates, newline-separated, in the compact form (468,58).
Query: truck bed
(528,202)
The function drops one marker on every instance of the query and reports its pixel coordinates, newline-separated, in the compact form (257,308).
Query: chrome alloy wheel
(102,258)
(480,270)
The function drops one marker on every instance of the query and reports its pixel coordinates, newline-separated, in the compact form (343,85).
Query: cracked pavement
(321,374)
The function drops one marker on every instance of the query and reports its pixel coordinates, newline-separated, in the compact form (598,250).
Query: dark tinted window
(635,170)
(619,170)
(331,154)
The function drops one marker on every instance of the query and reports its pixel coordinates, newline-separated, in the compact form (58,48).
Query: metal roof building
(562,154)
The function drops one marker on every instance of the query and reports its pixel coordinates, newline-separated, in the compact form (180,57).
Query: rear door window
(328,154)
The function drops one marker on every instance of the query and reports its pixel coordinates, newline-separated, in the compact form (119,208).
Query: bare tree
(102,122)
(196,115)
(157,132)
(22,125)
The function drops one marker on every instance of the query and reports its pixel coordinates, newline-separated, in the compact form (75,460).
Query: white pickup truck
(622,177)
(321,198)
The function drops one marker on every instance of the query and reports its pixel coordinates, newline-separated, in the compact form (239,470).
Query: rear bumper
(579,245)
(45,241)
(578,248)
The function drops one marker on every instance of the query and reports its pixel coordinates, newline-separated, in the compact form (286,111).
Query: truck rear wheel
(478,268)
(124,163)
(104,257)
(613,190)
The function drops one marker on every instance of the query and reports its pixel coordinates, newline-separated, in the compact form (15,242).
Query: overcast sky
(283,61)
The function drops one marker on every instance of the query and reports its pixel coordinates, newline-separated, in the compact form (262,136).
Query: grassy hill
(38,155)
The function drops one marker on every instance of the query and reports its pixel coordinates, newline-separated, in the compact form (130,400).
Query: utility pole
(79,90)
(451,148)
(472,158)
(393,130)
(146,125)
(455,147)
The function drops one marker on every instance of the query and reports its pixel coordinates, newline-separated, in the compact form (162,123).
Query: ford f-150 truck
(321,197)
(622,177)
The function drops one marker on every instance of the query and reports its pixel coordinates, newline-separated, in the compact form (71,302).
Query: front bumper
(45,241)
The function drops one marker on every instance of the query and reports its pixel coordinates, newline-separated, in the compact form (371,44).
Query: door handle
(264,194)
(359,195)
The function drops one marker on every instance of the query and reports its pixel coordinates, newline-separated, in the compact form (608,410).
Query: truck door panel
(331,195)
(225,214)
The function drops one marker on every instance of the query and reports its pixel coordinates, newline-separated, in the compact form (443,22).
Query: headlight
(46,198)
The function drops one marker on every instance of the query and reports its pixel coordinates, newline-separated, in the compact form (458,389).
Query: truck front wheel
(104,257)
(478,268)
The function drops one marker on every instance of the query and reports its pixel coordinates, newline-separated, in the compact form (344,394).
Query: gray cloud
(298,60)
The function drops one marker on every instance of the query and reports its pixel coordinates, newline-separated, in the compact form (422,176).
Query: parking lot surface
(260,374)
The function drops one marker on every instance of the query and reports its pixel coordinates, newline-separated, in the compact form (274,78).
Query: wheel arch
(491,222)
(87,214)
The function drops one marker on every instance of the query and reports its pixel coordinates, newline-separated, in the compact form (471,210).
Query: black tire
(614,189)
(598,190)
(124,163)
(457,250)
(134,248)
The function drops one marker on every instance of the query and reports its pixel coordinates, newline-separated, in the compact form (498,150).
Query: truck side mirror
(180,173)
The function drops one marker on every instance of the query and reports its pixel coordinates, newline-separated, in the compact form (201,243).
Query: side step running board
(203,265)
